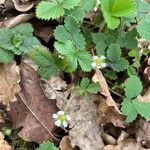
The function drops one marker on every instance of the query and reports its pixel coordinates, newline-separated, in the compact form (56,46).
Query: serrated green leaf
(129,110)
(117,63)
(70,31)
(143,29)
(49,10)
(6,56)
(143,108)
(74,56)
(53,9)
(47,146)
(111,74)
(86,86)
(79,12)
(128,39)
(133,87)
(45,60)
(102,41)
(143,9)
(114,9)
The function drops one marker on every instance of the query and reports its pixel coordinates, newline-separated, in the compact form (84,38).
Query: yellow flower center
(98,61)
(62,117)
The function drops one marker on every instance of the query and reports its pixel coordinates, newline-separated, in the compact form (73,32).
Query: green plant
(16,41)
(47,145)
(131,105)
(86,87)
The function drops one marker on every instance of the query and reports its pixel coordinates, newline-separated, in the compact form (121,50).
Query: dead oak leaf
(33,110)
(108,109)
(85,130)
(9,82)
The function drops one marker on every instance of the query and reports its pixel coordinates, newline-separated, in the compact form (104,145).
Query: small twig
(69,101)
(116,93)
(21,97)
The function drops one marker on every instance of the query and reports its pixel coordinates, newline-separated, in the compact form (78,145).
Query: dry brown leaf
(143,132)
(55,88)
(9,83)
(33,111)
(3,144)
(23,7)
(124,143)
(108,109)
(85,130)
(65,144)
(43,30)
(12,22)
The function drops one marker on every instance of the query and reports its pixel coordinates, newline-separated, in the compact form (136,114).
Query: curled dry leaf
(3,144)
(23,7)
(12,22)
(108,109)
(33,111)
(85,130)
(9,83)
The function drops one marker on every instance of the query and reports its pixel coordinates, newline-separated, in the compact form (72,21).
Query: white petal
(55,116)
(102,57)
(95,8)
(58,123)
(99,66)
(68,117)
(103,65)
(65,124)
(93,64)
(60,112)
(95,57)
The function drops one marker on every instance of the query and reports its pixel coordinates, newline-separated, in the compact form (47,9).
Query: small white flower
(97,5)
(61,119)
(98,62)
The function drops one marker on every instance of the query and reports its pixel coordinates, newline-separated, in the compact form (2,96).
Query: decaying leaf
(3,144)
(65,144)
(55,88)
(23,7)
(9,83)
(85,130)
(12,22)
(124,143)
(108,109)
(143,132)
(33,111)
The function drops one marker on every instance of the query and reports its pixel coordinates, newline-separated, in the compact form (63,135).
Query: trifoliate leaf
(143,108)
(6,56)
(86,86)
(70,31)
(102,41)
(128,39)
(113,10)
(129,110)
(74,56)
(53,9)
(143,29)
(79,12)
(117,63)
(46,61)
(47,146)
(133,87)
